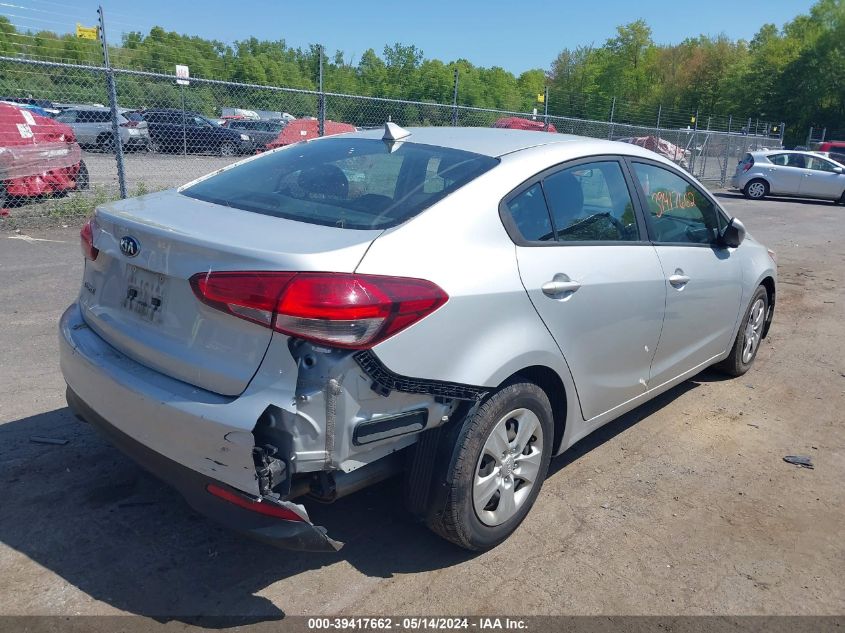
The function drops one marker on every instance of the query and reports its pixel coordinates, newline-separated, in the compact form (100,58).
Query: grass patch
(76,204)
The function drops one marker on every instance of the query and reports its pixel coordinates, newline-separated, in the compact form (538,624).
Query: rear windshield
(351,183)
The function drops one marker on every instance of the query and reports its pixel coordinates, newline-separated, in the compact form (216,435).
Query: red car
(833,149)
(305,129)
(38,156)
(518,123)
(831,146)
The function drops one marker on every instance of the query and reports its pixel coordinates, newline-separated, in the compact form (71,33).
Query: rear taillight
(253,505)
(748,165)
(86,240)
(337,309)
(130,124)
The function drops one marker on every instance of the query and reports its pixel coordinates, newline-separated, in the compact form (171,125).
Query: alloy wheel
(753,330)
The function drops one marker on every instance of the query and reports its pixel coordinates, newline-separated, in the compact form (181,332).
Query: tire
(841,198)
(83,180)
(743,352)
(106,143)
(227,148)
(477,459)
(756,189)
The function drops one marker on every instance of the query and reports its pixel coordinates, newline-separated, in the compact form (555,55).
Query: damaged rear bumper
(185,436)
(295,535)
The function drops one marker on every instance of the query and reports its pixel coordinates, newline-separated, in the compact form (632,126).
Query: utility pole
(115,129)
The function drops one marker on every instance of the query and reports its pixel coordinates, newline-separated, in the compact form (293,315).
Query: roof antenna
(393,132)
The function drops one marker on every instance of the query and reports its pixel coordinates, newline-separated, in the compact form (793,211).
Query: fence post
(659,112)
(727,151)
(694,140)
(824,133)
(115,128)
(782,132)
(546,108)
(184,123)
(809,136)
(612,112)
(321,97)
(455,101)
(705,149)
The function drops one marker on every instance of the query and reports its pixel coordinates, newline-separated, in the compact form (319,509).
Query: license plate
(145,293)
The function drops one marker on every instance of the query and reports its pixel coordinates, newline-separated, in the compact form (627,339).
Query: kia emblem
(129,246)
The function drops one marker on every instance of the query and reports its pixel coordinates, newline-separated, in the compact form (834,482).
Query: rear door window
(530,215)
(346,182)
(778,159)
(796,160)
(591,203)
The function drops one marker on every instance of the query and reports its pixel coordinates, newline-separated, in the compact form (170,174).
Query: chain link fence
(164,133)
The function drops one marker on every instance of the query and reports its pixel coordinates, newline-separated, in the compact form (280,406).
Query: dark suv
(262,132)
(189,132)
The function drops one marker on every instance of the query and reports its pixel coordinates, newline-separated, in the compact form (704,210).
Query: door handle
(678,280)
(561,284)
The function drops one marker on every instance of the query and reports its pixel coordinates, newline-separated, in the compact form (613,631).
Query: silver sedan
(790,173)
(458,304)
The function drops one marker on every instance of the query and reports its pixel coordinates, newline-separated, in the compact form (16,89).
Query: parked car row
(170,130)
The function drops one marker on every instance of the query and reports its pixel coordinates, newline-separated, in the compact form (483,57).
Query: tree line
(795,73)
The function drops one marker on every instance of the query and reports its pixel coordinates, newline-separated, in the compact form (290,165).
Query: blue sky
(516,36)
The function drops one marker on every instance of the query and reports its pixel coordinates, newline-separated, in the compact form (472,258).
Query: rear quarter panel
(488,330)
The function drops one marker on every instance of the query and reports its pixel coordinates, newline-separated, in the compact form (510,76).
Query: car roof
(89,108)
(781,151)
(488,141)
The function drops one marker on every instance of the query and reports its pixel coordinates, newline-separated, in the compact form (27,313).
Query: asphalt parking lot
(683,506)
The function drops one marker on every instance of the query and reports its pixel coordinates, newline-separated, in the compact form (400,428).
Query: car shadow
(88,514)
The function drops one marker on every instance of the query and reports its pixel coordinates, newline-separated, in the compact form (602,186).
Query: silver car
(458,304)
(92,127)
(790,173)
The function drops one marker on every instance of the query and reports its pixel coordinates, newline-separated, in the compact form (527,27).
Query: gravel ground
(683,506)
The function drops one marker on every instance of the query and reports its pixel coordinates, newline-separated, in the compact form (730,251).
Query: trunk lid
(143,305)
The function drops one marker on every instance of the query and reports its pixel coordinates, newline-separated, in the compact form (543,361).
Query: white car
(92,126)
(790,173)
(459,304)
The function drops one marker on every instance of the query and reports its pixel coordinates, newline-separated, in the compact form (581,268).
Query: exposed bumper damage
(314,421)
(288,534)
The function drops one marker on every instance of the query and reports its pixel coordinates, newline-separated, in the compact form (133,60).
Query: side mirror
(733,234)
(839,170)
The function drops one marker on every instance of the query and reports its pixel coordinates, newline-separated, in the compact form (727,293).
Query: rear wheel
(757,189)
(105,142)
(497,467)
(750,334)
(83,180)
(227,148)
